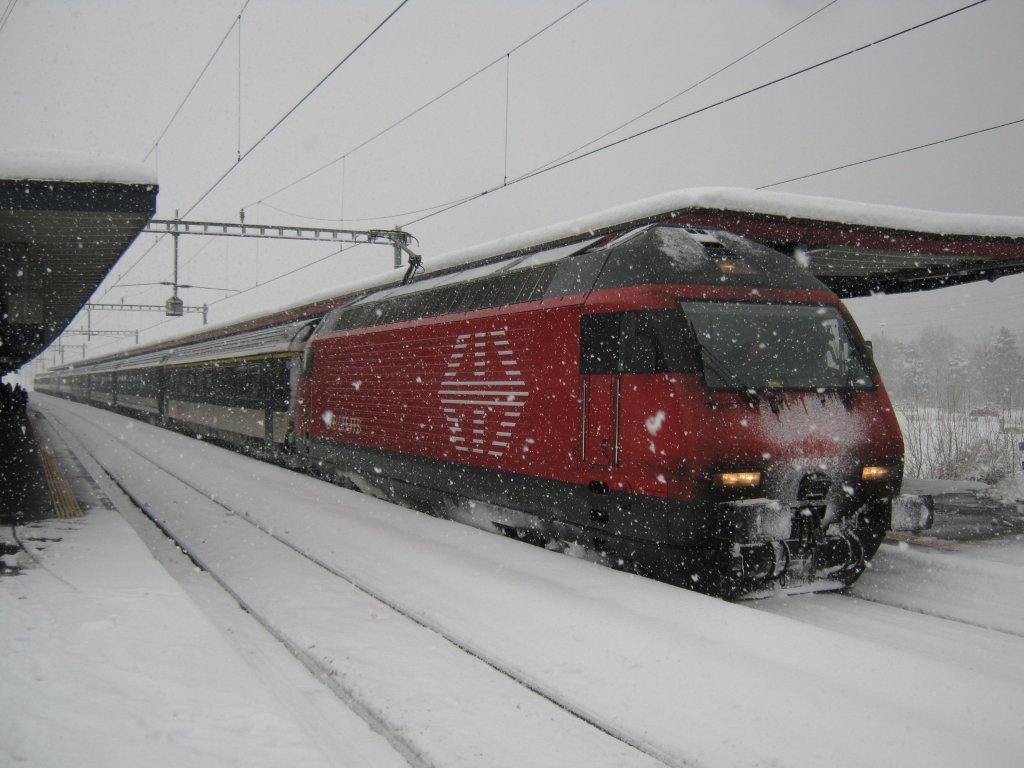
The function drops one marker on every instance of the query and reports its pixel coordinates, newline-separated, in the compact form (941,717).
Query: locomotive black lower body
(720,548)
(708,547)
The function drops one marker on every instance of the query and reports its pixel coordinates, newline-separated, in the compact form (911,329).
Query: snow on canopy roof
(753,201)
(730,199)
(33,165)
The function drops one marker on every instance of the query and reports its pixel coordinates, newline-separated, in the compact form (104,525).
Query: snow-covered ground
(106,660)
(460,648)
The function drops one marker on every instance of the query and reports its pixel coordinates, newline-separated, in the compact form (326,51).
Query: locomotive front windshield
(775,346)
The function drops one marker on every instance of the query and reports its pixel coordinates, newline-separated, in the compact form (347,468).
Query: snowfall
(309,625)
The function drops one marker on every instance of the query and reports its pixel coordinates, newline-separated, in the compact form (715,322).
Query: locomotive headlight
(738,479)
(874,473)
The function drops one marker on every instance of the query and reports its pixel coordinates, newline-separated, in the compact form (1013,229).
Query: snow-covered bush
(952,444)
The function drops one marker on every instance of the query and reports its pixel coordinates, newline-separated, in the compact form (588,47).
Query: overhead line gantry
(399,240)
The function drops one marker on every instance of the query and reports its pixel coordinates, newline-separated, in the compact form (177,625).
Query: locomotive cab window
(753,346)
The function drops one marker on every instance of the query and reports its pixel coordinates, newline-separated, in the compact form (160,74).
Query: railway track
(559,657)
(935,614)
(942,604)
(938,599)
(379,722)
(968,585)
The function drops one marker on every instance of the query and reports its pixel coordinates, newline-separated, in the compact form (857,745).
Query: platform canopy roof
(859,249)
(854,248)
(65,220)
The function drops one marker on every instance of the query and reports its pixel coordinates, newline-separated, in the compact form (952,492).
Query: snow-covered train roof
(264,341)
(271,340)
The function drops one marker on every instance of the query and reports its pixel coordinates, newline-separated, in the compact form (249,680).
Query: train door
(300,377)
(625,364)
(161,378)
(601,393)
(269,393)
(601,388)
(303,393)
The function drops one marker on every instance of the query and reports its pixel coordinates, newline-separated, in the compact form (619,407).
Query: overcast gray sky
(106,77)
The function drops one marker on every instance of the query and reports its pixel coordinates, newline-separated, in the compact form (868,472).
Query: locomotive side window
(649,341)
(600,341)
(666,335)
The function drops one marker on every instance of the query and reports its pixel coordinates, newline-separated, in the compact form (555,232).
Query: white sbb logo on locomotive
(483,393)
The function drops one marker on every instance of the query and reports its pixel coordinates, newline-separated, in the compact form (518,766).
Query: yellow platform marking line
(64,501)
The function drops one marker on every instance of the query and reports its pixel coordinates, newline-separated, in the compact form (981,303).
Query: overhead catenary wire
(818,173)
(6,15)
(291,111)
(242,156)
(239,88)
(156,144)
(367,141)
(425,105)
(693,85)
(159,238)
(467,198)
(387,217)
(895,153)
(235,22)
(865,161)
(243,291)
(543,169)
(565,159)
(508,78)
(182,285)
(134,264)
(701,110)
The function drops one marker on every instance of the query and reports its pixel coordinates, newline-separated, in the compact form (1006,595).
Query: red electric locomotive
(679,400)
(654,387)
